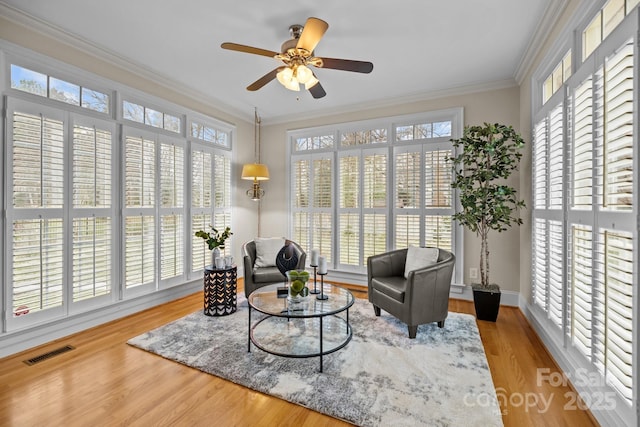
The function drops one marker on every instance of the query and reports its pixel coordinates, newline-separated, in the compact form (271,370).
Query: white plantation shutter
(438,199)
(407,178)
(438,231)
(374,185)
(618,110)
(222,199)
(201,206)
(139,212)
(362,206)
(407,228)
(615,335)
(301,193)
(424,197)
(35,237)
(555,278)
(438,177)
(321,213)
(37,264)
(92,166)
(556,145)
(349,178)
(139,250)
(582,149)
(349,238)
(374,235)
(38,162)
(539,177)
(92,260)
(374,203)
(548,235)
(201,172)
(201,255)
(140,172)
(322,234)
(92,209)
(171,246)
(172,242)
(349,194)
(581,310)
(539,265)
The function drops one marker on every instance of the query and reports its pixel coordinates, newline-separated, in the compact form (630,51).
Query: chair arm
(248,272)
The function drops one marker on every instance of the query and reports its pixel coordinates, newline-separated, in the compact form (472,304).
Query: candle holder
(322,296)
(315,280)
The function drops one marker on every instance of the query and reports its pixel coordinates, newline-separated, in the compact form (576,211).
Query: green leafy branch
(215,239)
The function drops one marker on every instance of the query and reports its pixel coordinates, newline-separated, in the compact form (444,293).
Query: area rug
(381,378)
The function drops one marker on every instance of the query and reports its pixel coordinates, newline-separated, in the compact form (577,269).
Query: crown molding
(395,101)
(549,19)
(99,52)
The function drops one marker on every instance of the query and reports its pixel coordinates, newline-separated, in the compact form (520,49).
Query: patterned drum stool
(220,294)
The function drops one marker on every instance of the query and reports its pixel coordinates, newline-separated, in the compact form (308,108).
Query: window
(386,185)
(603,24)
(148,116)
(556,79)
(585,254)
(312,204)
(40,84)
(98,209)
(210,134)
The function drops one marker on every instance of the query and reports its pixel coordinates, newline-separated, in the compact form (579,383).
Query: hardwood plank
(104,381)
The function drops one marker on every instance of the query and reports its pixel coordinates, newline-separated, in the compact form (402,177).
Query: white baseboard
(24,339)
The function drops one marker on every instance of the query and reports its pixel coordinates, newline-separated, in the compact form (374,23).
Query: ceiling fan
(297,55)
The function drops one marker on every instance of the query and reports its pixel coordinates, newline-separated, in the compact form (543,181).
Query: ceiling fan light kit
(297,56)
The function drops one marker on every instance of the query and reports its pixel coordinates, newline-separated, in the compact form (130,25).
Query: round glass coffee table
(311,328)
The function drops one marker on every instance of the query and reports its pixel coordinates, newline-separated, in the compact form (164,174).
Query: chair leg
(441,324)
(413,330)
(376,310)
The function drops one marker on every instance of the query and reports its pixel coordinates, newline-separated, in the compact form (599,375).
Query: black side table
(220,292)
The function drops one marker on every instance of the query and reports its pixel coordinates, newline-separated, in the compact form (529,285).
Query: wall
(499,105)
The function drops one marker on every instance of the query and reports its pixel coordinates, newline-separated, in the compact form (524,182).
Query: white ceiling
(418,47)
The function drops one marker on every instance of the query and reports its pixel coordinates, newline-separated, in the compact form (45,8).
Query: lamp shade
(255,171)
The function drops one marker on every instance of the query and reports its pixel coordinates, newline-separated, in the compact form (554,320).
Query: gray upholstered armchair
(256,277)
(421,298)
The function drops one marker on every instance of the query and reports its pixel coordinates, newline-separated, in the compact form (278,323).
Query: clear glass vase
(297,284)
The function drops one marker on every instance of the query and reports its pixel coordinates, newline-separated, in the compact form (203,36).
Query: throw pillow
(418,258)
(267,250)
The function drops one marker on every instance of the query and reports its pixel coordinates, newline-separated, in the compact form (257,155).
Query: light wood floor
(105,382)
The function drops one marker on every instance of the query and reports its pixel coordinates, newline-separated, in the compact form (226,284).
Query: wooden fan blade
(248,49)
(264,79)
(317,91)
(347,65)
(313,31)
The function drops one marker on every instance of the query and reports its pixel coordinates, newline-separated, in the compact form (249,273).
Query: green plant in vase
(297,284)
(216,239)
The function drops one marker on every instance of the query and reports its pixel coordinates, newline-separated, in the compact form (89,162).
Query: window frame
(349,272)
(598,220)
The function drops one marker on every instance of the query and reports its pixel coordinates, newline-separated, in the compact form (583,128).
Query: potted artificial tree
(487,155)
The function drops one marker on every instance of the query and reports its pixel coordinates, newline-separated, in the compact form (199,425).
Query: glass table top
(266,300)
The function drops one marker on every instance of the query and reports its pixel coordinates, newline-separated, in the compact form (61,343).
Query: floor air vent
(49,355)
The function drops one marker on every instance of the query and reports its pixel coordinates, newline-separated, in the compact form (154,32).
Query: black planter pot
(487,303)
